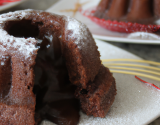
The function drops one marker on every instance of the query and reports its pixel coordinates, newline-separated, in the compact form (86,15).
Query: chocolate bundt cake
(140,11)
(45,59)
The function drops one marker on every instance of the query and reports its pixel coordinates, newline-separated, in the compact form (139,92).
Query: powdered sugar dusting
(79,31)
(24,46)
(2,63)
(17,15)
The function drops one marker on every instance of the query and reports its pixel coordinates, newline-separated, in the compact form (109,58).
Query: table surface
(148,52)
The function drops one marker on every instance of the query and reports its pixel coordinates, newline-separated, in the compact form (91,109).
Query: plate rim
(125,40)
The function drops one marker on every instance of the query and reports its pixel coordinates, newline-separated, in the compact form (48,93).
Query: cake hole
(28,87)
(13,112)
(25,65)
(83,91)
(39,23)
(25,72)
(23,28)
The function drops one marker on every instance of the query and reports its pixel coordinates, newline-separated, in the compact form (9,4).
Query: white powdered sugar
(12,16)
(23,45)
(78,30)
(2,63)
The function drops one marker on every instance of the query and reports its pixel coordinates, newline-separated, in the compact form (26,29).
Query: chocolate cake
(140,11)
(45,58)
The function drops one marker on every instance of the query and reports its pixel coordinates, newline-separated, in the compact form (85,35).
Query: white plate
(99,32)
(135,102)
(9,5)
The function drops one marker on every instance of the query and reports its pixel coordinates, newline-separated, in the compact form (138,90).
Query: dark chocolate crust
(97,99)
(140,11)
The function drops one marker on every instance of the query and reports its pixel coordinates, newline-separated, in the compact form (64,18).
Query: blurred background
(148,52)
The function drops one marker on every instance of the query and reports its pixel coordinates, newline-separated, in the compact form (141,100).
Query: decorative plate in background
(10,5)
(135,103)
(99,32)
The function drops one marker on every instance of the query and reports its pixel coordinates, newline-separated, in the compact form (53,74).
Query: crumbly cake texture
(16,115)
(99,96)
(18,57)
